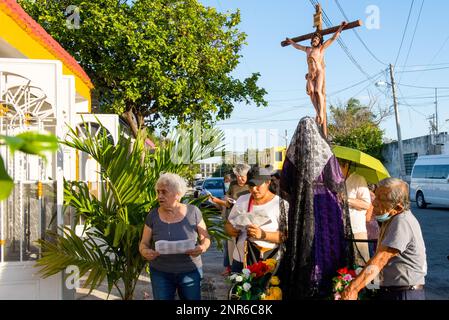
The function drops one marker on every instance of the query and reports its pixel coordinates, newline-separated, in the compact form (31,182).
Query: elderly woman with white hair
(174,221)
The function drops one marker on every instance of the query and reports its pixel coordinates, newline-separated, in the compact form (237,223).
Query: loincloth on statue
(312,74)
(313,69)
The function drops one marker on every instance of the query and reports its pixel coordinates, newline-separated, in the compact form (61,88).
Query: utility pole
(436,110)
(431,119)
(286,139)
(398,126)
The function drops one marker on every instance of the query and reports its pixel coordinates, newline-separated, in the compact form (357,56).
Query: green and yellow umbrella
(363,164)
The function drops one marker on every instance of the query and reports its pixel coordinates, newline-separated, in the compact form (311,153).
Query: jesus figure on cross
(316,72)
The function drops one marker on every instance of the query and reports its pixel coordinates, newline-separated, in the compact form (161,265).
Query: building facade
(42,88)
(412,148)
(273,156)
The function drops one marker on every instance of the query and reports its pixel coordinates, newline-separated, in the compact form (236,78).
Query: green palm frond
(115,218)
(214,221)
(70,250)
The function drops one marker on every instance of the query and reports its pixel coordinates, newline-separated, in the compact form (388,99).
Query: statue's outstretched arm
(295,45)
(328,42)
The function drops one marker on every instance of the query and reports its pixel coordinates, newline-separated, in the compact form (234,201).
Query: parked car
(198,184)
(430,181)
(213,186)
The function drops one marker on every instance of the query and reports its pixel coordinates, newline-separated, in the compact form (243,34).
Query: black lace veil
(311,169)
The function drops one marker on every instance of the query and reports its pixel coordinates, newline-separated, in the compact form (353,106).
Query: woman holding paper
(175,229)
(254,221)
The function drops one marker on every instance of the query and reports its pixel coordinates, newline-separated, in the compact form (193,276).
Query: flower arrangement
(340,282)
(256,282)
(344,278)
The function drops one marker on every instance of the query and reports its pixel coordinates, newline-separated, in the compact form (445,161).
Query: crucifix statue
(315,78)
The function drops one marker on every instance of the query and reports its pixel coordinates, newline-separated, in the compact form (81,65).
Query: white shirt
(272,210)
(357,188)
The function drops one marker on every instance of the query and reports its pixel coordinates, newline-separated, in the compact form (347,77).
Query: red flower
(343,271)
(352,273)
(259,269)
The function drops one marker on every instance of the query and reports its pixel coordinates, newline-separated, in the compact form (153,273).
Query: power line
(422,70)
(427,104)
(363,89)
(436,55)
(370,78)
(288,100)
(256,121)
(358,36)
(329,24)
(359,92)
(405,31)
(409,105)
(421,87)
(424,65)
(440,49)
(250,120)
(427,97)
(293,108)
(413,37)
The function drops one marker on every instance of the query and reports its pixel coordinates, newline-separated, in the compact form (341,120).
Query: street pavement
(435,228)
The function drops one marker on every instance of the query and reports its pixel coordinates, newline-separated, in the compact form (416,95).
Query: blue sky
(267,23)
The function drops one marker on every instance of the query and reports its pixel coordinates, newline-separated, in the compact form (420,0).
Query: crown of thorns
(319,35)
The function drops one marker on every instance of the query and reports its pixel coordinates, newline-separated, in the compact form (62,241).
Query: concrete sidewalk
(213,285)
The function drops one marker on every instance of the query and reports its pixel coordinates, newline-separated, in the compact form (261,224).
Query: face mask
(383,217)
(227,184)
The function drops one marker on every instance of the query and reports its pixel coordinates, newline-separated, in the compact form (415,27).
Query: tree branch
(131,120)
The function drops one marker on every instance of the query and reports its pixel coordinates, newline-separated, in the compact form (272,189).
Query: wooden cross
(316,84)
(317,23)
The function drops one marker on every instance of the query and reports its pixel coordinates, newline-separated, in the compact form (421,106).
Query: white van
(430,181)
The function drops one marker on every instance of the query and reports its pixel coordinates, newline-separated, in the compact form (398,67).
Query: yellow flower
(271,264)
(274,281)
(275,293)
(271,261)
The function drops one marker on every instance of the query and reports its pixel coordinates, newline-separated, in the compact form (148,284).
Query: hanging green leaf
(38,143)
(6,182)
(14,143)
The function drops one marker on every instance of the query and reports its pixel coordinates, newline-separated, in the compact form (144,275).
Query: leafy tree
(356,126)
(154,61)
(192,171)
(115,218)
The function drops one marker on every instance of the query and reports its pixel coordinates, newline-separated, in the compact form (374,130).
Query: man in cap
(256,242)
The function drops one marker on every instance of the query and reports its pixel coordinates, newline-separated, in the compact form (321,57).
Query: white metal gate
(33,206)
